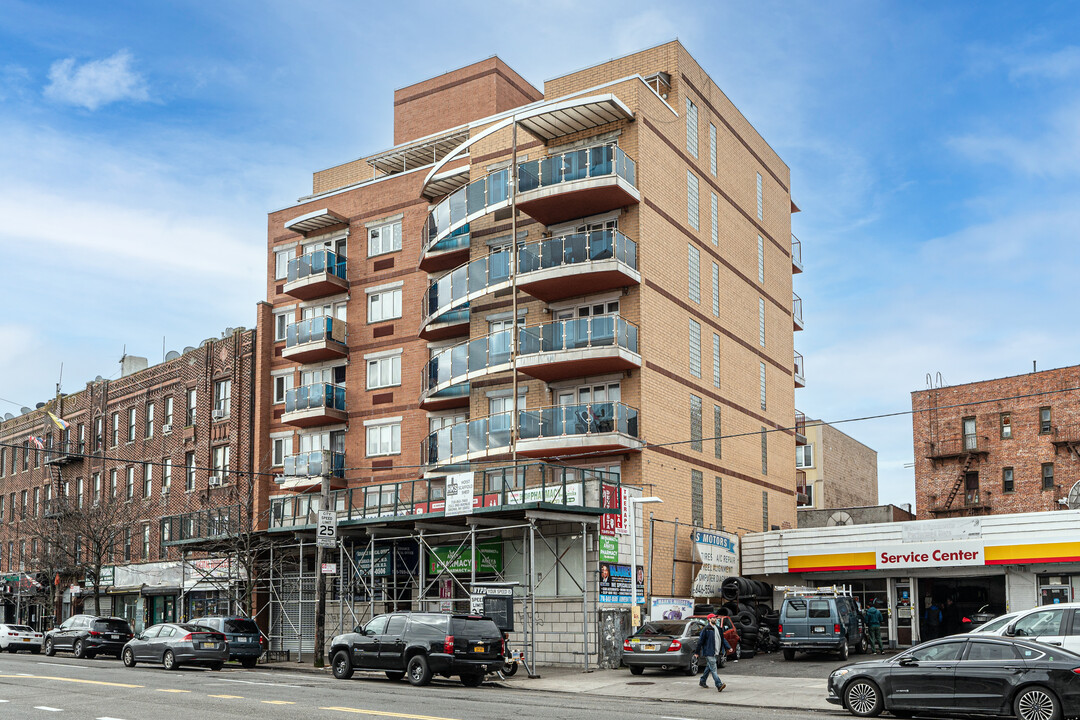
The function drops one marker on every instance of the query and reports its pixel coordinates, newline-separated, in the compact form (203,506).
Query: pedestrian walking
(932,621)
(712,646)
(873,626)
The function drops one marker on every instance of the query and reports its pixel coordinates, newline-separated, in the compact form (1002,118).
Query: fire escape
(966,450)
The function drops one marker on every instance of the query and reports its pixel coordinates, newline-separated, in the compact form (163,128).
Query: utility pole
(320,576)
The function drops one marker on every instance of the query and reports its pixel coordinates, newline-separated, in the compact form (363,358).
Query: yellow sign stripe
(833,561)
(1001,554)
(380,713)
(72,680)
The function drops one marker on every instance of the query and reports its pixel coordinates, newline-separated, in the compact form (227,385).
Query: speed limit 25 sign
(326,533)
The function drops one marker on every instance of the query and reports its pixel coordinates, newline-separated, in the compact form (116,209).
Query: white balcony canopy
(313,221)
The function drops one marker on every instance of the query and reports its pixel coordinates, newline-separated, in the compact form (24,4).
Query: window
(99,439)
(127,544)
(148,480)
(764,451)
(115,429)
(384,372)
(221,462)
(168,411)
(189,470)
(1,507)
(804,456)
(1041,622)
(192,398)
(78,492)
(691,128)
(971,440)
(1048,476)
(146,541)
(166,535)
(131,425)
(694,272)
(1006,426)
(716,360)
(765,528)
(149,421)
(281,324)
(761,321)
(1007,484)
(3,461)
(384,305)
(994,652)
(282,447)
(760,260)
(166,475)
(695,422)
(760,199)
(130,494)
(384,439)
(384,239)
(715,206)
(695,348)
(719,502)
(37,502)
(697,498)
(712,148)
(1044,421)
(717,433)
(715,290)
(692,200)
(222,397)
(282,385)
(762,366)
(281,263)
(112,483)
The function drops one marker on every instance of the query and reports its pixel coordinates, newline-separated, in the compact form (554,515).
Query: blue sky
(934,150)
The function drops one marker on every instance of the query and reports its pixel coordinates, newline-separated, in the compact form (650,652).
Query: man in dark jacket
(712,645)
(932,624)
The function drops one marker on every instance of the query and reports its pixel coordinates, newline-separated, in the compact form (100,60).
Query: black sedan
(176,644)
(664,645)
(964,675)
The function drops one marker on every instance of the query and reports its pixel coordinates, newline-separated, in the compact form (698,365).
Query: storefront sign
(459,494)
(623,528)
(942,530)
(406,555)
(610,499)
(718,553)
(211,567)
(459,560)
(108,575)
(609,549)
(936,554)
(615,583)
(671,608)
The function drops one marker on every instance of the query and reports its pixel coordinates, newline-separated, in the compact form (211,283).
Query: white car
(1057,625)
(14,638)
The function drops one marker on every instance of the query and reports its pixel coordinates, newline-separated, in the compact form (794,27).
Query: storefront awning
(161,590)
(121,590)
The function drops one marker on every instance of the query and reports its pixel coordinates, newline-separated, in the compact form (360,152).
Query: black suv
(88,635)
(421,645)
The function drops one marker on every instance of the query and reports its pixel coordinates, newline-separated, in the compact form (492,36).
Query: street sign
(329,568)
(326,534)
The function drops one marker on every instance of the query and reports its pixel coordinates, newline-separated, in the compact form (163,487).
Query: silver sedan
(176,644)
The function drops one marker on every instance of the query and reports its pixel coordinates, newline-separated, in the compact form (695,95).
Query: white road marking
(109,718)
(252,682)
(49,709)
(662,717)
(82,667)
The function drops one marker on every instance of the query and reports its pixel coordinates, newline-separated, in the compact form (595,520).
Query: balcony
(551,351)
(800,428)
(316,339)
(804,493)
(549,269)
(65,453)
(315,275)
(495,490)
(304,471)
(796,255)
(1066,435)
(796,312)
(560,430)
(958,447)
(215,523)
(313,405)
(560,187)
(800,370)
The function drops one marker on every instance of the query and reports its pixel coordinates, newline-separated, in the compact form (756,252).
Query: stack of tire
(746,601)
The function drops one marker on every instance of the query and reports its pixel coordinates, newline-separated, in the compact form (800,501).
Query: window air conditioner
(215,481)
(166,428)
(219,414)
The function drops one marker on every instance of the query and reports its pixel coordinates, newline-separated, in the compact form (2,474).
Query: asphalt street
(34,686)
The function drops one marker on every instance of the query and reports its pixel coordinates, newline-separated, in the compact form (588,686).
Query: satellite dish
(24,410)
(206,342)
(9,416)
(188,349)
(240,329)
(39,406)
(1073,501)
(171,355)
(838,518)
(230,331)
(98,379)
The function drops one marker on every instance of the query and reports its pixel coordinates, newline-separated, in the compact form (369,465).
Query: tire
(1037,703)
(169,661)
(863,698)
(509,669)
(636,669)
(863,647)
(744,620)
(748,652)
(418,671)
(342,665)
(249,662)
(395,675)
(472,679)
(50,649)
(129,658)
(789,654)
(693,668)
(844,651)
(79,649)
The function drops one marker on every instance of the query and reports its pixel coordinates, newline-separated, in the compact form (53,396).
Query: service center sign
(932,554)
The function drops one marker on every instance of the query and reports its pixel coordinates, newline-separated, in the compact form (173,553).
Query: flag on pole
(36,442)
(62,424)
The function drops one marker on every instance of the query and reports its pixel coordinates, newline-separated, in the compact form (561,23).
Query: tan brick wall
(848,470)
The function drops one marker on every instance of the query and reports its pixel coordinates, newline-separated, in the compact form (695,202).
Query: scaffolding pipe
(532,591)
(371,577)
(652,523)
(674,553)
(300,605)
(585,590)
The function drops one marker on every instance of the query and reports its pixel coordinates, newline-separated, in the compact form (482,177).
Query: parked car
(420,645)
(242,634)
(14,638)
(971,674)
(1050,624)
(993,626)
(176,644)
(820,623)
(731,634)
(88,635)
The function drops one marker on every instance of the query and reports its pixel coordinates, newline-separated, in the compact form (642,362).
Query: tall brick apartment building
(163,450)
(1007,445)
(652,285)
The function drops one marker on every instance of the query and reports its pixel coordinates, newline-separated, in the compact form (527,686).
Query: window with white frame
(168,411)
(223,396)
(220,456)
(692,200)
(760,260)
(281,324)
(761,322)
(282,385)
(762,385)
(695,348)
(385,305)
(714,206)
(760,199)
(712,148)
(112,483)
(149,420)
(281,263)
(384,239)
(282,448)
(148,480)
(384,372)
(192,398)
(694,273)
(131,425)
(804,456)
(384,439)
(129,493)
(189,471)
(166,475)
(691,128)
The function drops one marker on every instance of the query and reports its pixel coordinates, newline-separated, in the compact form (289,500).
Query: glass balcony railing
(316,263)
(202,525)
(796,253)
(315,330)
(454,364)
(800,369)
(310,397)
(455,288)
(315,463)
(457,442)
(796,308)
(493,191)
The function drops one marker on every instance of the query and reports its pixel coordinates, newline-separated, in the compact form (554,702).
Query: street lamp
(632,502)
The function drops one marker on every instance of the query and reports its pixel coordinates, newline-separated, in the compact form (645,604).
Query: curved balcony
(313,405)
(561,187)
(548,269)
(316,274)
(560,430)
(315,339)
(552,351)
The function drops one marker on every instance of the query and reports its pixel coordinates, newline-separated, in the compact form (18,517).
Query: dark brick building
(1008,445)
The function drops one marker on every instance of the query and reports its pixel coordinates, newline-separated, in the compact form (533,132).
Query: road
(34,686)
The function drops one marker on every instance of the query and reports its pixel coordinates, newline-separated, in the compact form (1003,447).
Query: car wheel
(129,658)
(395,675)
(1037,703)
(636,669)
(789,654)
(472,679)
(418,671)
(844,651)
(50,649)
(249,662)
(79,649)
(343,668)
(169,661)
(216,666)
(864,645)
(863,698)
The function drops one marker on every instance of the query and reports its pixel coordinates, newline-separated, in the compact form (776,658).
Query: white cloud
(97,82)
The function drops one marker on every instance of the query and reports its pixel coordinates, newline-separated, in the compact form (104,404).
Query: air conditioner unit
(166,428)
(215,481)
(219,414)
